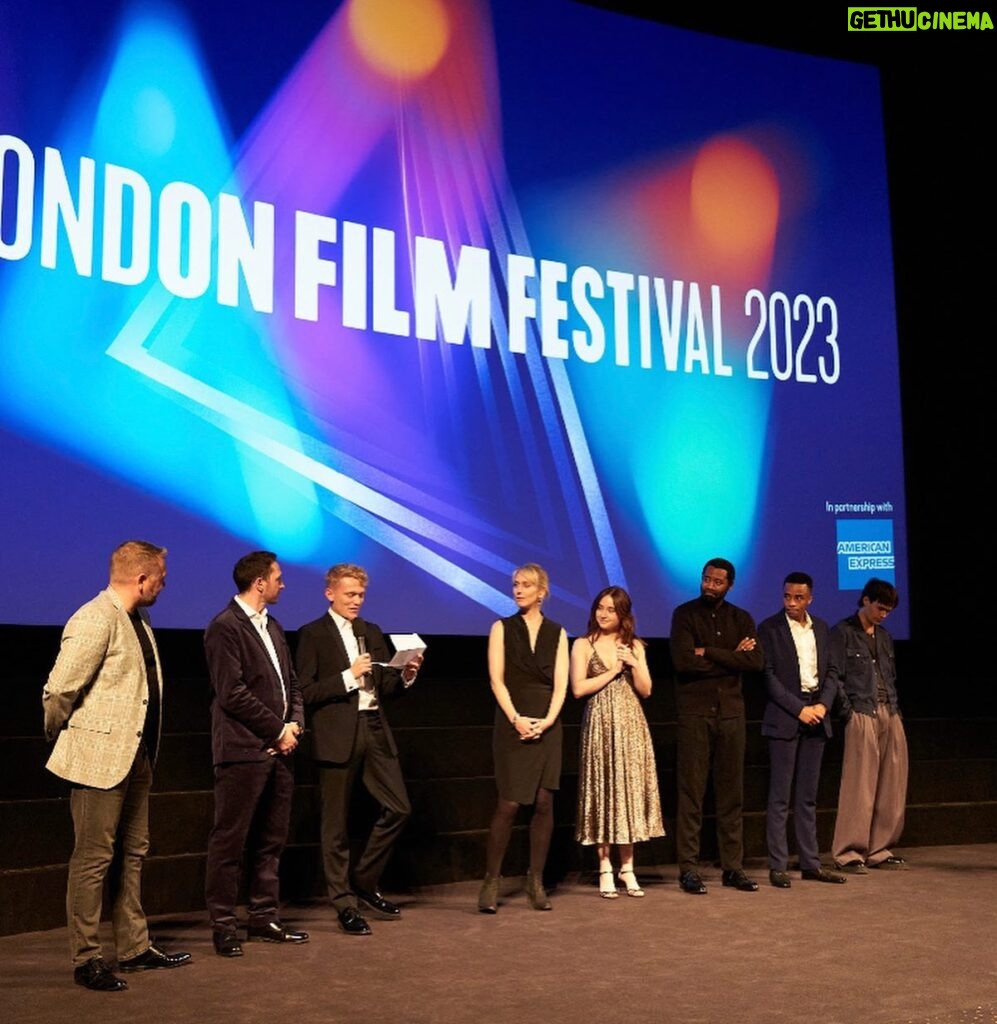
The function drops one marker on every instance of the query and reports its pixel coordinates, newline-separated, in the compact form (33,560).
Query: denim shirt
(850,663)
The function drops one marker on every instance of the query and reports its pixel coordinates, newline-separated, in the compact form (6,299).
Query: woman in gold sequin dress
(618,803)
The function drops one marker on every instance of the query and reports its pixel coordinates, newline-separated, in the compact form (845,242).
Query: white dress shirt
(806,652)
(368,697)
(259,620)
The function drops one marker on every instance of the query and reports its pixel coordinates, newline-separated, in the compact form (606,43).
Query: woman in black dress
(528,669)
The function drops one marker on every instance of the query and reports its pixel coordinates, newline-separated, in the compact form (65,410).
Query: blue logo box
(864,549)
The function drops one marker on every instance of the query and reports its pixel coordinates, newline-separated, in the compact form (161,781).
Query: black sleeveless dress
(523,768)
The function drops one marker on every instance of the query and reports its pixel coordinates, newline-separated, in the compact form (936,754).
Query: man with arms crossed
(873,794)
(712,642)
(102,707)
(344,678)
(800,694)
(256,718)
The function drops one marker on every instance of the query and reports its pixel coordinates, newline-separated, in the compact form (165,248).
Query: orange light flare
(711,217)
(734,208)
(402,39)
(439,53)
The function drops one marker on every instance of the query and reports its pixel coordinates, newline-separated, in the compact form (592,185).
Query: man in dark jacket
(712,643)
(345,681)
(873,794)
(256,718)
(797,725)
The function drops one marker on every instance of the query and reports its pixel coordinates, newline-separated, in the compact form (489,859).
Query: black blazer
(321,661)
(782,677)
(247,709)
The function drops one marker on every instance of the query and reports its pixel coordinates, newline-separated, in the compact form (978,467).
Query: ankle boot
(536,892)
(488,896)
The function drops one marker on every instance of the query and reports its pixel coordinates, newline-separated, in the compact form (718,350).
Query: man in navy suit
(256,718)
(344,679)
(800,694)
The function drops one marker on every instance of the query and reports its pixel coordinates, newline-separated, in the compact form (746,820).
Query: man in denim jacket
(873,791)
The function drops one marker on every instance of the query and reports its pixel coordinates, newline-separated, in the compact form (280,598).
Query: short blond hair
(343,569)
(135,557)
(536,573)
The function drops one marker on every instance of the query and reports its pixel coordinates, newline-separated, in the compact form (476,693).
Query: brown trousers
(105,820)
(873,794)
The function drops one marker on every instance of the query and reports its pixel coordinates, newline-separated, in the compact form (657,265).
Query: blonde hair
(537,574)
(133,558)
(342,570)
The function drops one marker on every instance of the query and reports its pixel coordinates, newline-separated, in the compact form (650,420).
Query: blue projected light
(699,475)
(439,303)
(155,70)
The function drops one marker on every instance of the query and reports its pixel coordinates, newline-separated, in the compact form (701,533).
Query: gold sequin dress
(617,780)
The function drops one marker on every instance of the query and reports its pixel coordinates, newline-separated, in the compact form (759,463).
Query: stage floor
(916,947)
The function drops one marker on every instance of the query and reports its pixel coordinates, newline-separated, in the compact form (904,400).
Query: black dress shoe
(95,974)
(891,864)
(780,879)
(352,922)
(226,944)
(737,879)
(154,959)
(275,932)
(822,875)
(690,882)
(376,902)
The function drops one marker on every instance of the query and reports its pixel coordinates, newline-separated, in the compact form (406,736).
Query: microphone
(360,634)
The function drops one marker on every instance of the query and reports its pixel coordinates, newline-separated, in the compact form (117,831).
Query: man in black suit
(800,694)
(344,679)
(256,718)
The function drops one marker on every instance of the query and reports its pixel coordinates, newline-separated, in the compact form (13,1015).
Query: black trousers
(707,742)
(373,761)
(252,814)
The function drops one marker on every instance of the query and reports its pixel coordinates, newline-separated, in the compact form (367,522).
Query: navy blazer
(782,677)
(333,710)
(247,710)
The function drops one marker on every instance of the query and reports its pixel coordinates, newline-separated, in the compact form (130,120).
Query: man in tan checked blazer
(102,707)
